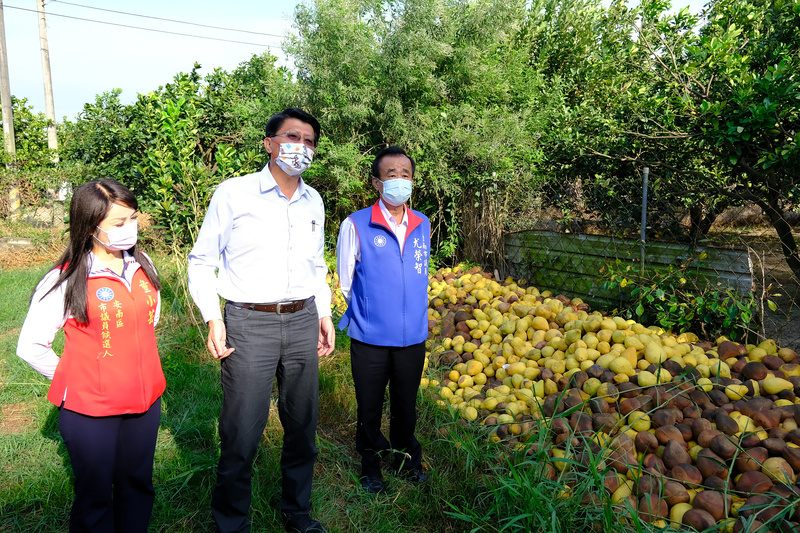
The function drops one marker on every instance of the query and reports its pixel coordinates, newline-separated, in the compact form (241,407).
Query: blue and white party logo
(380,241)
(105,294)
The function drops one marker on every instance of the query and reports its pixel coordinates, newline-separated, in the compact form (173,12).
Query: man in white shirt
(263,233)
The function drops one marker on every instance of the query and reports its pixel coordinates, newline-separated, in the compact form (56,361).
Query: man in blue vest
(382,260)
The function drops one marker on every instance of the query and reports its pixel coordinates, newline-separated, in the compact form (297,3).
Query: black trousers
(373,368)
(267,346)
(112,458)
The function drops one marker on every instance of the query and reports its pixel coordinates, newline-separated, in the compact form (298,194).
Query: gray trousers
(267,345)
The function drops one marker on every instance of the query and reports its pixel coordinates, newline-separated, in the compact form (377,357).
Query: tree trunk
(784,231)
(701,221)
(771,204)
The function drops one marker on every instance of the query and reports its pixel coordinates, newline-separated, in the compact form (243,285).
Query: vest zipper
(403,270)
(134,308)
(138,343)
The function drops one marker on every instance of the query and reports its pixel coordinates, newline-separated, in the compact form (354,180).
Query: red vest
(111,366)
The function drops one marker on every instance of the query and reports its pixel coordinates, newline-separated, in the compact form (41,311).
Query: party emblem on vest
(380,241)
(105,294)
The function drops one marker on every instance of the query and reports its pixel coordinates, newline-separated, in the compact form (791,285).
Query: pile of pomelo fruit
(685,433)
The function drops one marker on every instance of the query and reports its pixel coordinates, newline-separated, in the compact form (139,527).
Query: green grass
(473,485)
(35,479)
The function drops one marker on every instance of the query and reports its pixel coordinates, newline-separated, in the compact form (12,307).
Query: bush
(682,298)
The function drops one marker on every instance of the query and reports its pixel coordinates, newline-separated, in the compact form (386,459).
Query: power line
(167,20)
(145,29)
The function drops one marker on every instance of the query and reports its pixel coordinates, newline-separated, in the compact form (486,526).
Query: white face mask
(294,158)
(123,238)
(396,192)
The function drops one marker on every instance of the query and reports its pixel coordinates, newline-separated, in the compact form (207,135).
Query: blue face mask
(396,192)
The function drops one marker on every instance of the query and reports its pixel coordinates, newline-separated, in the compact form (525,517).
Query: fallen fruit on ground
(690,430)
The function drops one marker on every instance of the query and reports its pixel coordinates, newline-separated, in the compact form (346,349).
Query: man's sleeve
(204,258)
(322,295)
(347,254)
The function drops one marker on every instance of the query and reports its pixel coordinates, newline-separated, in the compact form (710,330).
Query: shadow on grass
(188,447)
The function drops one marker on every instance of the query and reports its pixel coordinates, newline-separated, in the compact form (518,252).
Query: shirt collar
(96,267)
(388,215)
(267,183)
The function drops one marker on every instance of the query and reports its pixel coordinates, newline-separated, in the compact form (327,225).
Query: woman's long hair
(90,204)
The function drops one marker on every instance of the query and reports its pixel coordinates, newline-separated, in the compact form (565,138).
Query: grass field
(35,480)
(473,485)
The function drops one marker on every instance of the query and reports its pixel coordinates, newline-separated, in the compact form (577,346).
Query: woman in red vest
(108,381)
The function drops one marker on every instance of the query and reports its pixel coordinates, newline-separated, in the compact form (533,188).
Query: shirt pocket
(306,236)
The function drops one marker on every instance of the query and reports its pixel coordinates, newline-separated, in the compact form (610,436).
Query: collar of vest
(378,218)
(96,271)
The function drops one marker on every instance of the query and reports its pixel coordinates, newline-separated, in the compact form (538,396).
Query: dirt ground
(15,419)
(16,254)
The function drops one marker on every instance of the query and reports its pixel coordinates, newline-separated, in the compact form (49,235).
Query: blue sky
(88,58)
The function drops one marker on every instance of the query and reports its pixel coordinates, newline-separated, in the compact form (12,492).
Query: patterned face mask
(294,158)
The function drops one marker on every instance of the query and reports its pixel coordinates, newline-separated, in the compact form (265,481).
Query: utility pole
(5,91)
(49,106)
(8,115)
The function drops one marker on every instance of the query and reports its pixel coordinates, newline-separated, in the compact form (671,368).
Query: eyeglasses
(295,137)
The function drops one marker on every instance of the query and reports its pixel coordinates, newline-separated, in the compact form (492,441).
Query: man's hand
(217,339)
(327,336)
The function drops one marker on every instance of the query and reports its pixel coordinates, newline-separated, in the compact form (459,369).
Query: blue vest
(389,294)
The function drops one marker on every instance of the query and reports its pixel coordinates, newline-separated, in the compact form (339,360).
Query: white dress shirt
(348,249)
(46,315)
(266,247)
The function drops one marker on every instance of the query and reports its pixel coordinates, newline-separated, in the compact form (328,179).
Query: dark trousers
(112,458)
(267,346)
(373,368)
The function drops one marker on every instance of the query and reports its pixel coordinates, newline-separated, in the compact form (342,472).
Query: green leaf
(772,306)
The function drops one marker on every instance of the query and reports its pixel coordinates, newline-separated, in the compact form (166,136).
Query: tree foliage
(715,107)
(505,105)
(173,146)
(32,170)
(30,137)
(448,81)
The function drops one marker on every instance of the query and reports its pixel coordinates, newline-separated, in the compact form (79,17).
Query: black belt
(281,308)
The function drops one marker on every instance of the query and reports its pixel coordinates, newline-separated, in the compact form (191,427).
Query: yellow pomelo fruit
(638,421)
(540,323)
(621,365)
(769,346)
(465,381)
(655,354)
(647,379)
(590,386)
(705,384)
(775,385)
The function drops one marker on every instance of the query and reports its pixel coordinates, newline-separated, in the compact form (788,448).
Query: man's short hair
(276,121)
(390,150)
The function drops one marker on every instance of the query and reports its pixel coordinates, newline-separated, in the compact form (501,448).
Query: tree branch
(655,137)
(671,73)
